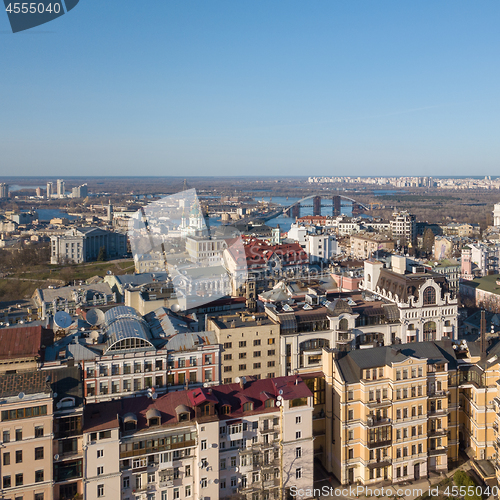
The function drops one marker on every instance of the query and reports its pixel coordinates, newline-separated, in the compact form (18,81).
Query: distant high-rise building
(50,190)
(38,192)
(61,190)
(4,190)
(79,191)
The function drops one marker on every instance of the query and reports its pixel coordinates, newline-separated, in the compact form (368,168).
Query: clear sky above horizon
(262,87)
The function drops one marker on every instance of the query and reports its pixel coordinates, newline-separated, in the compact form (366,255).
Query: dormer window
(153,417)
(248,406)
(129,422)
(225,410)
(269,403)
(183,413)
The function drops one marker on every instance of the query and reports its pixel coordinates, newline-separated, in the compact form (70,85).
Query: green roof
(486,283)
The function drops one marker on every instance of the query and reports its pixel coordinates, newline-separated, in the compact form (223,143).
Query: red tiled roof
(24,342)
(100,416)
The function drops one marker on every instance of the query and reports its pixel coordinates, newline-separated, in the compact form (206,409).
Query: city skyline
(253,88)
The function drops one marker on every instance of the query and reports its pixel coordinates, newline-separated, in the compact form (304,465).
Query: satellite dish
(280,392)
(62,319)
(237,380)
(206,384)
(278,403)
(95,317)
(200,464)
(216,481)
(210,481)
(236,469)
(56,457)
(279,398)
(21,395)
(175,308)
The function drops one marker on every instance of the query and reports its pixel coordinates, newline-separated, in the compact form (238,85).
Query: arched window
(343,324)
(429,331)
(429,296)
(369,278)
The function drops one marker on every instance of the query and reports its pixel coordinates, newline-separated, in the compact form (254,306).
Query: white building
(403,225)
(496,215)
(319,245)
(251,439)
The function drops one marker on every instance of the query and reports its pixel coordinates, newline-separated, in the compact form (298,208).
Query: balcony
(379,403)
(374,422)
(438,451)
(437,432)
(438,394)
(379,444)
(437,413)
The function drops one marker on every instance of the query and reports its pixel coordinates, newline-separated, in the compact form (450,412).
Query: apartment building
(133,355)
(67,389)
(363,244)
(403,226)
(396,412)
(26,433)
(250,440)
(428,310)
(250,345)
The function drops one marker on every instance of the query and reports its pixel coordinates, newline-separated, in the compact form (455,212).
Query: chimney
(483,333)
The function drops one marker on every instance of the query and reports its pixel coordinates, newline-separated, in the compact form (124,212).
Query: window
(228,369)
(271,341)
(176,493)
(228,345)
(256,342)
(298,452)
(350,395)
(187,491)
(188,471)
(298,419)
(298,473)
(223,464)
(204,444)
(242,367)
(429,296)
(204,482)
(350,415)
(100,470)
(6,436)
(350,435)
(243,343)
(223,484)
(100,490)
(6,458)
(19,480)
(228,357)
(19,456)
(39,453)
(256,354)
(271,364)
(351,453)
(100,453)
(39,431)
(298,435)
(126,483)
(39,476)
(6,482)
(19,434)
(242,355)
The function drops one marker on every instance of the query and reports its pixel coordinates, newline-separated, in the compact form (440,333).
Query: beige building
(363,244)
(250,345)
(396,412)
(26,433)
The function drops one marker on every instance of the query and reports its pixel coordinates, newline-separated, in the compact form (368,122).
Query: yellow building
(251,345)
(392,413)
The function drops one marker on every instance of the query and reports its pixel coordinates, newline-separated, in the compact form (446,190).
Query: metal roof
(126,328)
(119,312)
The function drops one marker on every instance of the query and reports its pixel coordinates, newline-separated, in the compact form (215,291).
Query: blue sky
(209,87)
